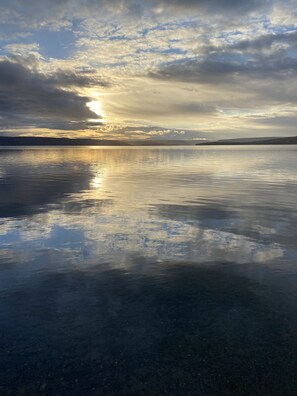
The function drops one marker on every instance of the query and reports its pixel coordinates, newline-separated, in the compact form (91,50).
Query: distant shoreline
(252,141)
(66,142)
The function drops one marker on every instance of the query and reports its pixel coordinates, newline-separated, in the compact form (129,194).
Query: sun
(95,107)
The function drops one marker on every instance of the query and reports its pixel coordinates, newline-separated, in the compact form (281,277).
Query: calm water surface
(148,271)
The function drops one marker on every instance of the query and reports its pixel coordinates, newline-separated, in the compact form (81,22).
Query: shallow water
(148,271)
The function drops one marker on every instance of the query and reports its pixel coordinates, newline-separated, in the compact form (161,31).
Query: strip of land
(47,141)
(6,141)
(251,141)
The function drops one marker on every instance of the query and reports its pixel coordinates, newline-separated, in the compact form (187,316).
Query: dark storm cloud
(28,97)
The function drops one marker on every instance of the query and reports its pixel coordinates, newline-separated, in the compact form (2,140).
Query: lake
(148,271)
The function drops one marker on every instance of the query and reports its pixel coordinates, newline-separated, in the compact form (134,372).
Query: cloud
(30,97)
(60,14)
(21,49)
(218,6)
(266,41)
(245,76)
(220,69)
(278,121)
(195,65)
(82,79)
(231,57)
(143,132)
(194,107)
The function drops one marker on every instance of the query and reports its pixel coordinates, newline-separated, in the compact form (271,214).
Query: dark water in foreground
(148,271)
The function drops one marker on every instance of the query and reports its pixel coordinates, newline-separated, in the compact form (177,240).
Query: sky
(132,69)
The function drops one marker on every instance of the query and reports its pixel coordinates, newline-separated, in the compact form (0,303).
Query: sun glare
(95,107)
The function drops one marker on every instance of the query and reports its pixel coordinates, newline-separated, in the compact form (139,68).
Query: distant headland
(251,141)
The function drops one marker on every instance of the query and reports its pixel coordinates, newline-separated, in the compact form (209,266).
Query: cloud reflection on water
(194,204)
(120,271)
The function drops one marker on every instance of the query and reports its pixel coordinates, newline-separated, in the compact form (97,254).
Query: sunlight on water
(107,238)
(193,204)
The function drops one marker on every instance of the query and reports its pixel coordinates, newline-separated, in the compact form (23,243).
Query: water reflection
(180,329)
(139,271)
(187,203)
